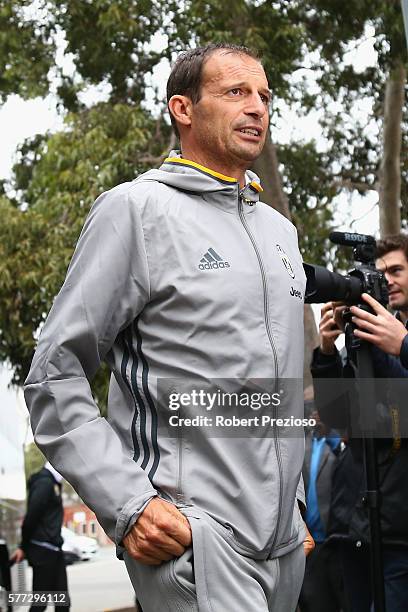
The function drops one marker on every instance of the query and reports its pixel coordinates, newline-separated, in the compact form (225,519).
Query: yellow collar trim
(256,186)
(187,162)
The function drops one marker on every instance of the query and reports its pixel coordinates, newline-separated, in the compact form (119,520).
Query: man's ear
(180,107)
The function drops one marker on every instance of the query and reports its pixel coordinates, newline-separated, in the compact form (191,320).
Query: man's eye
(265,99)
(236,91)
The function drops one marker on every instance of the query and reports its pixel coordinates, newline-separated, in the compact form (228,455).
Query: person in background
(41,542)
(322,589)
(5,577)
(388,335)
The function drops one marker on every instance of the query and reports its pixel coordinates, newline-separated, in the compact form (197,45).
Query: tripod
(359,355)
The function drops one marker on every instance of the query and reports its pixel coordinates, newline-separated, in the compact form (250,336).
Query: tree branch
(350,185)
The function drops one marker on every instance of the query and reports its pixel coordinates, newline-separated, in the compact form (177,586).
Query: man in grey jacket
(184,275)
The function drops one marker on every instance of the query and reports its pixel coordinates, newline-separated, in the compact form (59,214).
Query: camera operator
(349,519)
(382,329)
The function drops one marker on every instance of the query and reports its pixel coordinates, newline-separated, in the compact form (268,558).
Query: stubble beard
(401,304)
(241,156)
(231,154)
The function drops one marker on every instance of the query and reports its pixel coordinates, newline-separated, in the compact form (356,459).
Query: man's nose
(388,278)
(256,107)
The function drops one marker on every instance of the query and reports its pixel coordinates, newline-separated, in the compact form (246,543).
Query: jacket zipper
(179,490)
(275,355)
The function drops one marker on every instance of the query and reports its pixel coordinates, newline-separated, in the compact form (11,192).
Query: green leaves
(108,44)
(26,51)
(57,179)
(108,41)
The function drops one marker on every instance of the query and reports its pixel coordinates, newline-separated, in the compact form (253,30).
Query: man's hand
(160,533)
(308,543)
(381,328)
(330,327)
(17,556)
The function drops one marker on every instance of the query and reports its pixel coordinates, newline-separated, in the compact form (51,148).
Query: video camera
(325,286)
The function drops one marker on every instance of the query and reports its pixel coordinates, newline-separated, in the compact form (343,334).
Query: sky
(13,432)
(22,119)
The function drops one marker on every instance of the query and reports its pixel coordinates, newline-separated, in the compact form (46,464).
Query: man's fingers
(175,525)
(364,336)
(167,544)
(328,327)
(335,333)
(327,312)
(338,316)
(152,539)
(180,531)
(327,320)
(365,324)
(326,307)
(376,306)
(363,314)
(149,551)
(327,324)
(155,552)
(161,533)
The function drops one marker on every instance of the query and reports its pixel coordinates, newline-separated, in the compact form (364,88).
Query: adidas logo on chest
(212,261)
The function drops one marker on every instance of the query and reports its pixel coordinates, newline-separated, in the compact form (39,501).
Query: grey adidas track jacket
(176,274)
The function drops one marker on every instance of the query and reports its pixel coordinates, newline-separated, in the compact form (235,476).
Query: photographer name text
(234,421)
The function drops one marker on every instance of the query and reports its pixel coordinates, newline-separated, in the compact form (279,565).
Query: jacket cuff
(322,363)
(130,513)
(321,359)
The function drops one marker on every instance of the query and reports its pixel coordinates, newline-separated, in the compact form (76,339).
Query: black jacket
(44,517)
(348,513)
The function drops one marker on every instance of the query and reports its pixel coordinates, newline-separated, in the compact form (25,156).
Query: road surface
(99,585)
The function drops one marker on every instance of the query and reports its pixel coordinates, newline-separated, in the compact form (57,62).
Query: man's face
(395,267)
(229,122)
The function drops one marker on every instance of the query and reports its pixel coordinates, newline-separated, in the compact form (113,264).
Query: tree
(368,159)
(57,178)
(26,51)
(34,460)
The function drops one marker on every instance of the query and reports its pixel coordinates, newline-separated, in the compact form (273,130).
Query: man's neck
(220,167)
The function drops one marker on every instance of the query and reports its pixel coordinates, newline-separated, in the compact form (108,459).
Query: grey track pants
(214,577)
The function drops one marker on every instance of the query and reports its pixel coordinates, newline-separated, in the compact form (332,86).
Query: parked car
(71,550)
(83,547)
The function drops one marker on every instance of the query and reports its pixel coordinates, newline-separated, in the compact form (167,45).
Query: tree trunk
(390,170)
(311,341)
(267,168)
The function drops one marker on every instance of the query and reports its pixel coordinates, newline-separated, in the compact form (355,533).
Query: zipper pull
(250,193)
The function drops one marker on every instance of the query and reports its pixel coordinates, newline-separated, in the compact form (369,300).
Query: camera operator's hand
(160,533)
(381,328)
(330,326)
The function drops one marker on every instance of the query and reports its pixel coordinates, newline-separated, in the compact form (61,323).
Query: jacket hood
(189,176)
